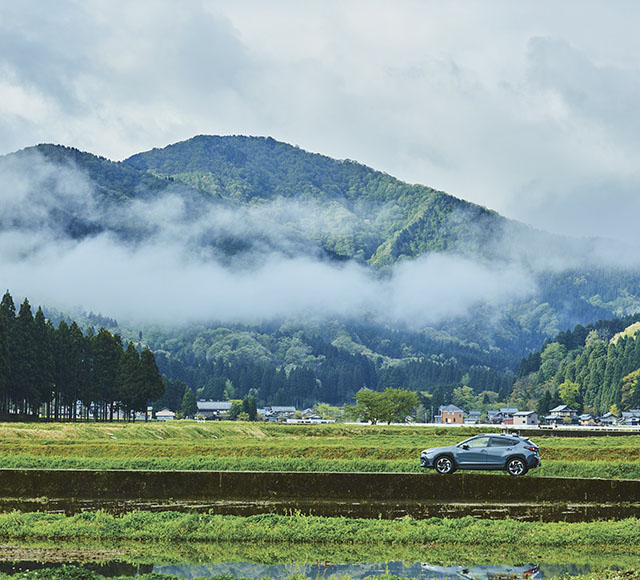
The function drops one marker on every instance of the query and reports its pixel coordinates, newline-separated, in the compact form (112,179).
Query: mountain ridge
(236,202)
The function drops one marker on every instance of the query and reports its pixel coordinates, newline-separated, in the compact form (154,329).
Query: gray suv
(512,453)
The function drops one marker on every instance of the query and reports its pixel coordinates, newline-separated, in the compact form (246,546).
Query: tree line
(61,373)
(594,368)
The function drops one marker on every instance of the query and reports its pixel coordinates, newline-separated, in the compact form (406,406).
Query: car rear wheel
(516,466)
(444,464)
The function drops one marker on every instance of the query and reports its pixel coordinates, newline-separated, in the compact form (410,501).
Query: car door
(498,450)
(473,452)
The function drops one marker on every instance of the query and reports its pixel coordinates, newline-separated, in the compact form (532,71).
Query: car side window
(501,442)
(478,442)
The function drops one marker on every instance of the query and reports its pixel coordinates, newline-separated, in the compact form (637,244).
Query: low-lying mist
(172,260)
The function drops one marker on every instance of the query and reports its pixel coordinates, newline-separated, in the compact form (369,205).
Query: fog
(173,271)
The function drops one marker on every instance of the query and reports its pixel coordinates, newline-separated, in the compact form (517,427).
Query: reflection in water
(417,571)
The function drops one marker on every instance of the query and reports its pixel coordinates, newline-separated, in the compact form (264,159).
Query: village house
(472,417)
(165,415)
(277,413)
(450,415)
(504,415)
(562,415)
(525,418)
(608,419)
(213,409)
(630,417)
(586,420)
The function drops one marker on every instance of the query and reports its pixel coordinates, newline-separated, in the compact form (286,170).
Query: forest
(593,369)
(62,373)
(242,201)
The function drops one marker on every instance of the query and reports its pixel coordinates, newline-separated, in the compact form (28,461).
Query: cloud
(157,260)
(492,102)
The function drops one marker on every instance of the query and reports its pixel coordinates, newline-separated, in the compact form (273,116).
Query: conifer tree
(5,362)
(25,377)
(128,380)
(106,351)
(189,403)
(152,384)
(44,357)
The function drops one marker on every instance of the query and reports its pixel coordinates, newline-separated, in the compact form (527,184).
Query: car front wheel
(517,466)
(445,465)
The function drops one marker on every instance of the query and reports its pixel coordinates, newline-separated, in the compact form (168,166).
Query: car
(514,454)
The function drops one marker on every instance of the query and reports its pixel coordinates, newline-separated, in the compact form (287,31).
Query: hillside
(365,214)
(252,208)
(594,368)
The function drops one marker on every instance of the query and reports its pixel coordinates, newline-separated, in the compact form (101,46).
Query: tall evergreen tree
(44,358)
(189,403)
(128,379)
(152,385)
(106,352)
(28,396)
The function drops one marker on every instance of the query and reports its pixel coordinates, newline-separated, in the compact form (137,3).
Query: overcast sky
(529,108)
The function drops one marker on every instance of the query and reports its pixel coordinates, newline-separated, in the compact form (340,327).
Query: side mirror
(465,446)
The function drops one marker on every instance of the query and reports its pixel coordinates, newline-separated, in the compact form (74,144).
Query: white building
(525,418)
(165,415)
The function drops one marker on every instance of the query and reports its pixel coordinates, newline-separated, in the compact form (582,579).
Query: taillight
(534,449)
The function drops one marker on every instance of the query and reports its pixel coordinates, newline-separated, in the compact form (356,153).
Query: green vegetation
(273,447)
(60,368)
(298,529)
(331,210)
(595,369)
(77,573)
(392,405)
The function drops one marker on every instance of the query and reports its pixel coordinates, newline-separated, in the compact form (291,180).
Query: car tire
(444,465)
(517,466)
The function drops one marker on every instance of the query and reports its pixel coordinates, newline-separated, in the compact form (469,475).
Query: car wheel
(444,464)
(517,466)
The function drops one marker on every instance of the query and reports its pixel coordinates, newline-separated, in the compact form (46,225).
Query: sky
(525,108)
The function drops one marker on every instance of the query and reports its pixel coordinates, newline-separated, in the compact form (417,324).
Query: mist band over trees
(265,271)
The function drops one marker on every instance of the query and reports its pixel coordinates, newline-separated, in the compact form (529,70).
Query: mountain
(239,206)
(370,215)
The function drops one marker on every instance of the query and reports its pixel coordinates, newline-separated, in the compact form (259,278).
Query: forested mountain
(239,203)
(594,368)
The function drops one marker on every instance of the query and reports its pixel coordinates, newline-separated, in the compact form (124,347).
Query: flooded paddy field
(231,561)
(129,469)
(360,495)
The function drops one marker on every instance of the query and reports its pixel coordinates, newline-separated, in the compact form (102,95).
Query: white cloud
(493,102)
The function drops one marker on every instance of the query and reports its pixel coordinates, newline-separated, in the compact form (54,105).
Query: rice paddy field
(275,447)
(150,543)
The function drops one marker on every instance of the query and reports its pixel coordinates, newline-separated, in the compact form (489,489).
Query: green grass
(586,469)
(267,446)
(300,529)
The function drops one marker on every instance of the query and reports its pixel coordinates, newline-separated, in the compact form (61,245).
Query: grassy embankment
(298,529)
(255,446)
